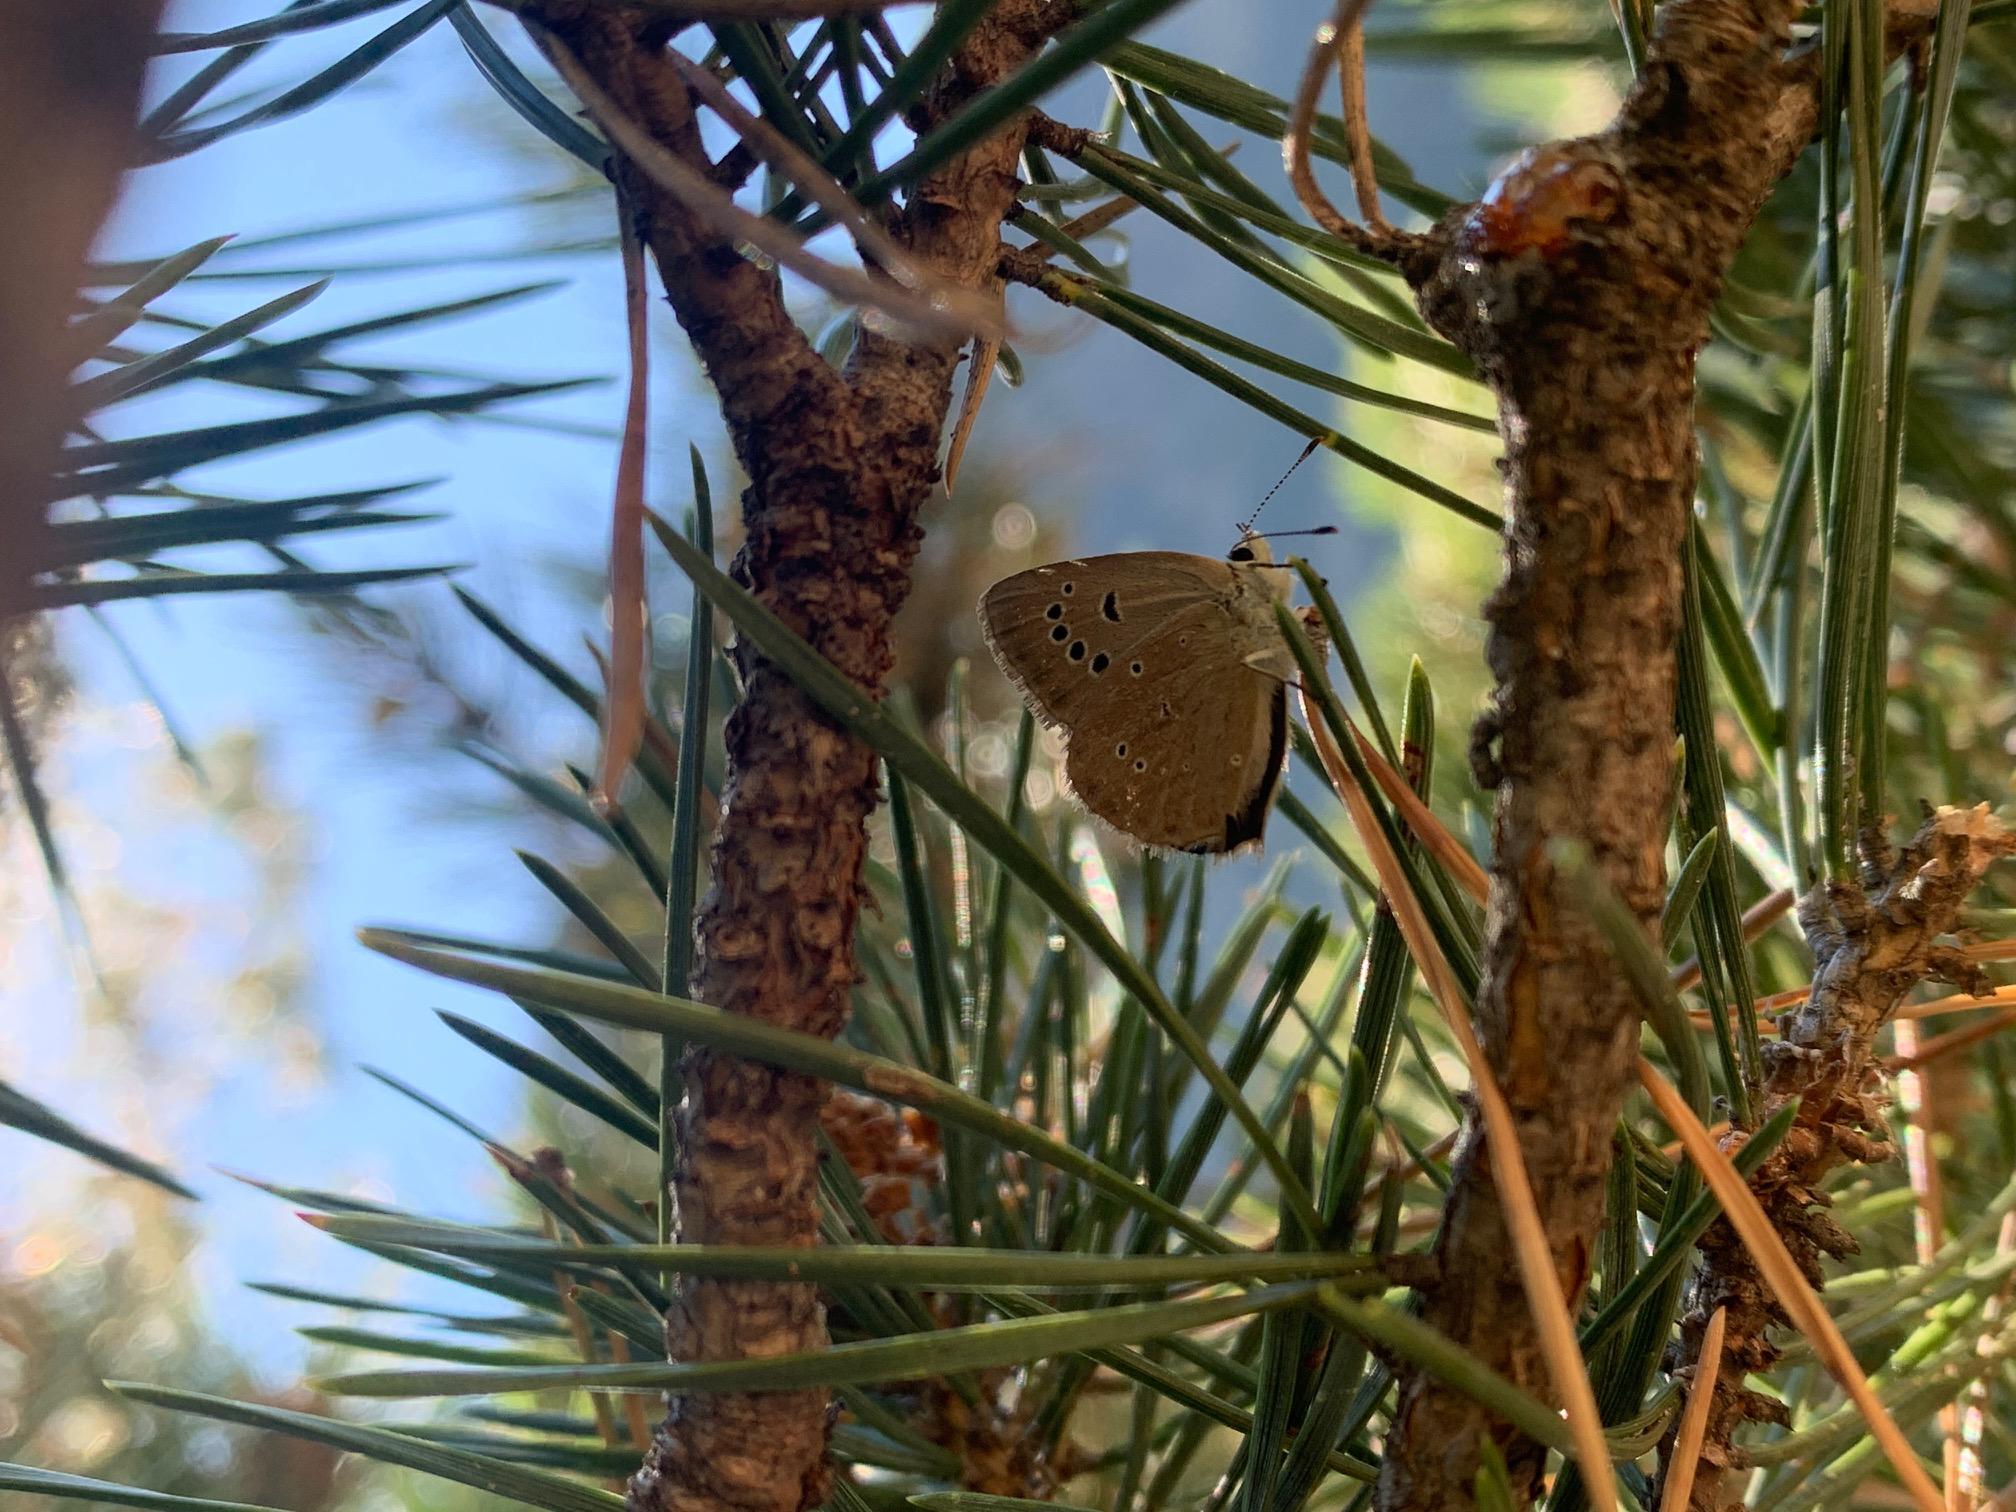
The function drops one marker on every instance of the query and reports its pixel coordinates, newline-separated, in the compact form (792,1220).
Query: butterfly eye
(1240,554)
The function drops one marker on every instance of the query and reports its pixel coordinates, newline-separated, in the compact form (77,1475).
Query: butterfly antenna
(1246,525)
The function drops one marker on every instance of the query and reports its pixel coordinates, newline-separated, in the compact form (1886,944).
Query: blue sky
(1142,456)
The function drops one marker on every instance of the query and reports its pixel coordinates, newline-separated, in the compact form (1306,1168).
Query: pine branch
(1546,284)
(838,466)
(1873,943)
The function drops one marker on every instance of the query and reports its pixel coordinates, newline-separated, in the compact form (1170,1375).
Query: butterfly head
(1252,550)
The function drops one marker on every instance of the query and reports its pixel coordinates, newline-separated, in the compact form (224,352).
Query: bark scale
(1581,286)
(838,463)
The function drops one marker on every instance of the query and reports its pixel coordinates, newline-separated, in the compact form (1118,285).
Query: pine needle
(1694,1421)
(623,707)
(1433,834)
(1912,1053)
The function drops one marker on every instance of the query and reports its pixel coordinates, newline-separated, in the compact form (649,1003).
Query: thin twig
(657,739)
(584,1340)
(1405,1167)
(702,198)
(1379,239)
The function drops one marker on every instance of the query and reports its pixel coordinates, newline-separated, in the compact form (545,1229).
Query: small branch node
(1054,136)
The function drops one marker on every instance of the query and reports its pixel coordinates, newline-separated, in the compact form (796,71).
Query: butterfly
(1168,674)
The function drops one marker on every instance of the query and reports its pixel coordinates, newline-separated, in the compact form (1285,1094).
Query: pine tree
(998,1188)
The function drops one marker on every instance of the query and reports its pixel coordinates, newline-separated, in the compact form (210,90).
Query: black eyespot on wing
(1110,606)
(1077,651)
(1100,663)
(1135,668)
(1068,589)
(1055,612)
(1061,633)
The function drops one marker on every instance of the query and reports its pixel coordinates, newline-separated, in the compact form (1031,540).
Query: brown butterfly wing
(1065,633)
(1188,766)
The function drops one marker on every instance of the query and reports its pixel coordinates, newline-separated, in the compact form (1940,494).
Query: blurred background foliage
(196,921)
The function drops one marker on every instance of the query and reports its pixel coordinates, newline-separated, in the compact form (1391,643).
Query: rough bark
(70,80)
(838,464)
(1581,285)
(1873,941)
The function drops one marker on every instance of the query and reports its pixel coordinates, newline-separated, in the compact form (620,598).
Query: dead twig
(986,350)
(697,193)
(1340,43)
(629,642)
(1357,124)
